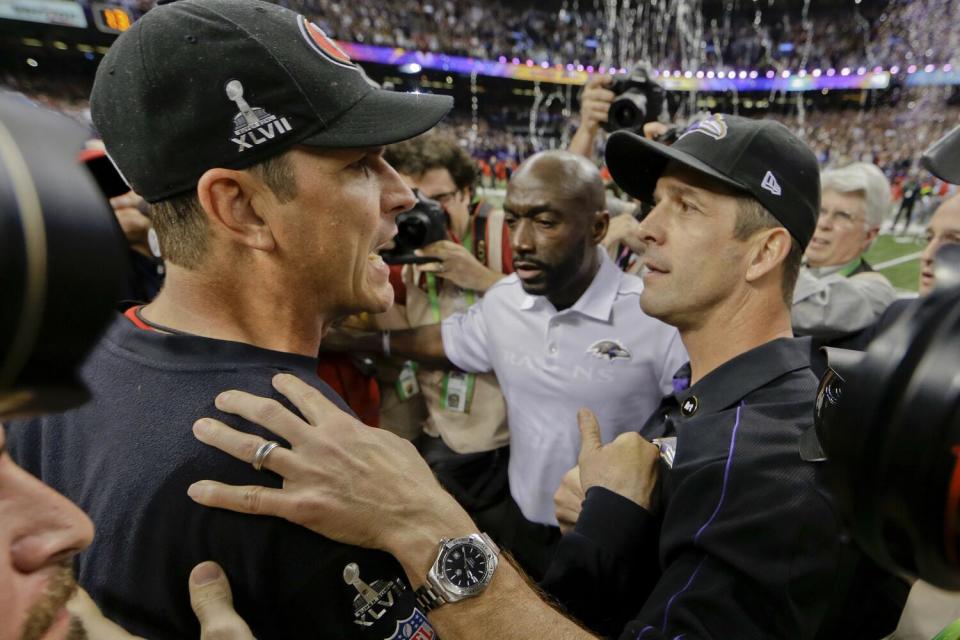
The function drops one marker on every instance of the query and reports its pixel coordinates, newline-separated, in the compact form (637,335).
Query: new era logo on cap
(770,184)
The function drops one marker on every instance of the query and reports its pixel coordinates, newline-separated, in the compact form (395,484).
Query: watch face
(465,566)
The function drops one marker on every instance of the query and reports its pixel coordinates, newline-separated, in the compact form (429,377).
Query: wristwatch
(464,568)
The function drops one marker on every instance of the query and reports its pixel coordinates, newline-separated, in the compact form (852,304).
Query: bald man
(565,331)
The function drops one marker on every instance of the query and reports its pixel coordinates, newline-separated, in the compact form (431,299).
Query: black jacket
(748,544)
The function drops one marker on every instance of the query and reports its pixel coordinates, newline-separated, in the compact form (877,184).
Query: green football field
(902,252)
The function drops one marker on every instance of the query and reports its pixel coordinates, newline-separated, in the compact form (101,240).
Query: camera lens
(412,230)
(629,111)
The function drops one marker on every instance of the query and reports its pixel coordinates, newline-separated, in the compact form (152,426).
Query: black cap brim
(382,117)
(942,159)
(636,164)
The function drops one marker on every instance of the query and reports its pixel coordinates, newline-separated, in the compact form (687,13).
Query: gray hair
(866,178)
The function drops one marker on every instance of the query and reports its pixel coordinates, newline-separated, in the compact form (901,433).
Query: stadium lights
(785,74)
(410,67)
(929,68)
(742,75)
(894,69)
(545,64)
(33,63)
(771,74)
(845,71)
(878,69)
(861,71)
(816,73)
(912,68)
(515,61)
(948,67)
(688,74)
(700,75)
(753,74)
(831,72)
(710,74)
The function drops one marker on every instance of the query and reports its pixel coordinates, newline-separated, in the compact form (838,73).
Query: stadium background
(870,80)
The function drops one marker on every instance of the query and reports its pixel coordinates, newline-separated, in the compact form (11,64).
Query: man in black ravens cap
(259,144)
(721,530)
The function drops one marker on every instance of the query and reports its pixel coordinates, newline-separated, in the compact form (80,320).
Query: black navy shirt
(127,458)
(748,545)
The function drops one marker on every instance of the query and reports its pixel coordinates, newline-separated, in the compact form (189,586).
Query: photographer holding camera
(464,434)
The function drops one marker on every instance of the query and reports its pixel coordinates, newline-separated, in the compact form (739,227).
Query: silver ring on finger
(262,452)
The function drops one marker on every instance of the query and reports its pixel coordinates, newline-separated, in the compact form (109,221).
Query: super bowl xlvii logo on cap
(322,44)
(770,184)
(714,126)
(609,350)
(253,125)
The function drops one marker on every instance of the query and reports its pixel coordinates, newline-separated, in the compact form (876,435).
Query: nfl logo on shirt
(415,627)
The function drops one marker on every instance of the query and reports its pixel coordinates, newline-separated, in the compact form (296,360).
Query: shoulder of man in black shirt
(127,458)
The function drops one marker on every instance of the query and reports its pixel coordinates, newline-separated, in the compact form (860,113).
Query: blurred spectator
(837,291)
(464,440)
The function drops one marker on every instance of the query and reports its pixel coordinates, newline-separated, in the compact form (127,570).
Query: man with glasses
(459,419)
(837,291)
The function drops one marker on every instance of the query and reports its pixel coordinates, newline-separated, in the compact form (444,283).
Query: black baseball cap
(197,84)
(759,157)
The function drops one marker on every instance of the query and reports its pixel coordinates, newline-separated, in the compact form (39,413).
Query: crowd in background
(900,33)
(892,137)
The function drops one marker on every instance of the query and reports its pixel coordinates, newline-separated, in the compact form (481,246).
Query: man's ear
(230,198)
(600,224)
(871,236)
(770,248)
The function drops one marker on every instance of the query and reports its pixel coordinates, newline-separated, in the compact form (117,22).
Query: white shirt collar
(597,301)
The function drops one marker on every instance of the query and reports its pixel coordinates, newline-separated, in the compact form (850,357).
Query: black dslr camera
(639,101)
(425,224)
(63,260)
(887,423)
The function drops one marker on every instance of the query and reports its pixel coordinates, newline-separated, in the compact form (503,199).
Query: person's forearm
(583,141)
(490,278)
(423,344)
(510,608)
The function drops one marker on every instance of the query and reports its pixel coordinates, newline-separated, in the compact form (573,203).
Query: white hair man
(838,292)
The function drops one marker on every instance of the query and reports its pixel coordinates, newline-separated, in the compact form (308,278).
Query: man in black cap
(258,144)
(733,535)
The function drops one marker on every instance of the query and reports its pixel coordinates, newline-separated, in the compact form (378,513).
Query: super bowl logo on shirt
(322,44)
(382,601)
